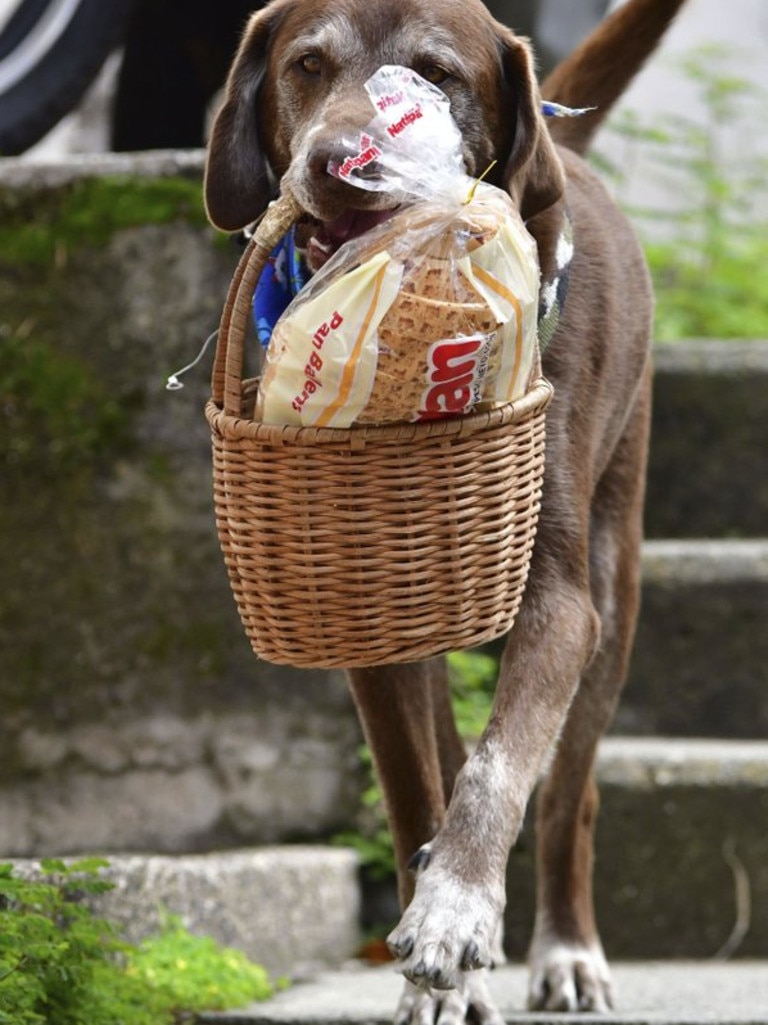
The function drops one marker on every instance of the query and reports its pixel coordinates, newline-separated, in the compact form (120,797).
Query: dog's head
(296,88)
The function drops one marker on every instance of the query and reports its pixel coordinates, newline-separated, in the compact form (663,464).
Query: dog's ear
(533,174)
(238,184)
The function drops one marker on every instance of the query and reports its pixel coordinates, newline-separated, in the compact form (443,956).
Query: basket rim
(357,436)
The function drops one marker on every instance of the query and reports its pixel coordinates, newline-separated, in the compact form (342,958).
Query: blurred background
(166,68)
(79,76)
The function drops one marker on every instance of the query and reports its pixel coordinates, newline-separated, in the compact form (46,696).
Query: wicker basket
(374,544)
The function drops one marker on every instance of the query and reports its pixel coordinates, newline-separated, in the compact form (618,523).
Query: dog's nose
(319,160)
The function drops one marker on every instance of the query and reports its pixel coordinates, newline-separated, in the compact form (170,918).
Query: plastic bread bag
(431,313)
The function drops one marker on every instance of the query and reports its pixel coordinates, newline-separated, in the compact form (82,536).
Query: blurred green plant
(708,252)
(195,972)
(472,678)
(371,839)
(60,964)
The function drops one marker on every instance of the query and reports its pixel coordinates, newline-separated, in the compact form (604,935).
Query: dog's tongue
(350,225)
(330,235)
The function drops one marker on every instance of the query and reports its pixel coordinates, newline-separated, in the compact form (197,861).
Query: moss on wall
(106,286)
(40,226)
(56,411)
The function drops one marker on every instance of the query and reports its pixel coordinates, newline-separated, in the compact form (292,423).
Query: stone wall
(134,715)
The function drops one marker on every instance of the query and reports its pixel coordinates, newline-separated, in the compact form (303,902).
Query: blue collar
(283,277)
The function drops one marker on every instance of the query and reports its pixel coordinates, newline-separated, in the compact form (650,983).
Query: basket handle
(226,377)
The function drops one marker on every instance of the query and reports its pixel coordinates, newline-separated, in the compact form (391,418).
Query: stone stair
(683,835)
(700,660)
(649,993)
(681,851)
(700,665)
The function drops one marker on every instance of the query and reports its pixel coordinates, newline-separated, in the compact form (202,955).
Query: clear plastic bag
(433,312)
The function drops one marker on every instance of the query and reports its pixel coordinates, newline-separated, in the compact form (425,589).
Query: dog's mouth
(321,239)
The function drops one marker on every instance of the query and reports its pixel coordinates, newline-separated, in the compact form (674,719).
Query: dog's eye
(311,64)
(433,73)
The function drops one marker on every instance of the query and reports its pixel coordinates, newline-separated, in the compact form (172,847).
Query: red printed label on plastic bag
(314,366)
(394,128)
(456,369)
(367,154)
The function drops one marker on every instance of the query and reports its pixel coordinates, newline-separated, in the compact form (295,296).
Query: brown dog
(295,87)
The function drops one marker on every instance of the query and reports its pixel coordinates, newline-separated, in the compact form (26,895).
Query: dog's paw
(570,977)
(470,1002)
(449,927)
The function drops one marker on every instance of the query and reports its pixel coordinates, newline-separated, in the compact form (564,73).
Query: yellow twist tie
(477,181)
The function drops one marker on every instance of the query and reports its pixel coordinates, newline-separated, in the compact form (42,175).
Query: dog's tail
(600,69)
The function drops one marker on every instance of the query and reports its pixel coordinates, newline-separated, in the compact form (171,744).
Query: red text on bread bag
(456,369)
(315,363)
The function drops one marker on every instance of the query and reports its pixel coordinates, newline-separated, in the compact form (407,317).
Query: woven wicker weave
(374,544)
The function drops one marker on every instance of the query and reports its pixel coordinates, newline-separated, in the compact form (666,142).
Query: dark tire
(50,52)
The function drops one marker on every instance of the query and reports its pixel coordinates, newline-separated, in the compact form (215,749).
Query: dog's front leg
(408,721)
(406,715)
(451,924)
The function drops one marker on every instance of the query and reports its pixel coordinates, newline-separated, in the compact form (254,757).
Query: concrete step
(682,871)
(293,909)
(681,851)
(707,472)
(700,662)
(684,993)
